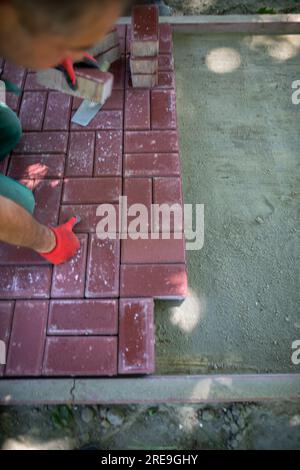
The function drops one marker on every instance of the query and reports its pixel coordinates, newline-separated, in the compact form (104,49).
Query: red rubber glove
(67,67)
(67,244)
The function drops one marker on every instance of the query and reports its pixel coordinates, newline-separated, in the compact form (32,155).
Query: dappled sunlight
(223,60)
(36,170)
(29,443)
(189,313)
(280,48)
(295,421)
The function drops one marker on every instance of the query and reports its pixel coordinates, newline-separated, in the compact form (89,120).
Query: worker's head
(40,33)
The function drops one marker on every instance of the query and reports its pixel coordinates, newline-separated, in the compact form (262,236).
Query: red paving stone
(57,115)
(136,336)
(81,356)
(102,275)
(160,281)
(137,109)
(151,164)
(32,110)
(36,166)
(80,158)
(163,109)
(108,153)
(93,315)
(83,317)
(91,190)
(152,251)
(69,278)
(26,346)
(6,315)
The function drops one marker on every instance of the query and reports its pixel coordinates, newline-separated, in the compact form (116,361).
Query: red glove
(67,67)
(67,244)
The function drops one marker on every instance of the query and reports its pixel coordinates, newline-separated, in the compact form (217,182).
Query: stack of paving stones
(92,316)
(144,46)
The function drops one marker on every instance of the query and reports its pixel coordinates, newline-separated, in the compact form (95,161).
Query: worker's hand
(67,244)
(67,67)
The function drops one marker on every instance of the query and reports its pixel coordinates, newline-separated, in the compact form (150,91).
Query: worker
(39,34)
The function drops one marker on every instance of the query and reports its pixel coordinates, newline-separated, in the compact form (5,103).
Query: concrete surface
(240,154)
(212,388)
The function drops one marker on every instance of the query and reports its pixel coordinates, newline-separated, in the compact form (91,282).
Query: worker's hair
(56,15)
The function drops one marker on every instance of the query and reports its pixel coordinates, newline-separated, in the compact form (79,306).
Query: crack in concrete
(72,390)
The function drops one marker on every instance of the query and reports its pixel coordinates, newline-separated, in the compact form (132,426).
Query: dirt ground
(173,427)
(225,7)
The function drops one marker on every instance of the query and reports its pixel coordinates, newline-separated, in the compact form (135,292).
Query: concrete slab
(152,389)
(240,154)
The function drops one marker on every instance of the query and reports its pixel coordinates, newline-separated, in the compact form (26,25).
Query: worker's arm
(18,227)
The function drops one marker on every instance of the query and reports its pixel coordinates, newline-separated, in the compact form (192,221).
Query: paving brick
(108,154)
(166,80)
(88,216)
(136,337)
(121,29)
(103,120)
(111,55)
(110,40)
(128,40)
(21,282)
(29,183)
(151,164)
(118,71)
(137,109)
(163,109)
(16,74)
(93,84)
(47,196)
(102,268)
(81,356)
(91,190)
(37,166)
(165,63)
(152,251)
(138,191)
(80,159)
(31,83)
(147,65)
(13,101)
(26,347)
(43,142)
(4,165)
(168,191)
(6,315)
(114,102)
(151,141)
(122,45)
(18,256)
(57,115)
(144,30)
(160,281)
(165,38)
(144,80)
(83,317)
(69,278)
(32,110)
